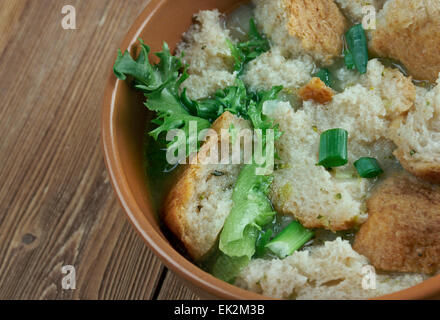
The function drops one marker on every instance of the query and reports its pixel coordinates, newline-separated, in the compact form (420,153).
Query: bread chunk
(398,93)
(417,136)
(310,193)
(403,228)
(407,30)
(273,69)
(208,56)
(319,25)
(298,27)
(201,199)
(330,271)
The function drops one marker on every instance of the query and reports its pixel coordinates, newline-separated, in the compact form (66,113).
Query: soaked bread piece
(329,271)
(408,30)
(417,136)
(197,206)
(403,228)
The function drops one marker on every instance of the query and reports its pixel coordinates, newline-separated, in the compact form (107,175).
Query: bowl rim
(155,241)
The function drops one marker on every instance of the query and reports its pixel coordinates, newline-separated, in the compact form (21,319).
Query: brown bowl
(123,127)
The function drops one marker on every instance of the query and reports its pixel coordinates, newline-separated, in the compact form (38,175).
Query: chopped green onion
(290,239)
(348,58)
(333,148)
(325,76)
(358,47)
(368,167)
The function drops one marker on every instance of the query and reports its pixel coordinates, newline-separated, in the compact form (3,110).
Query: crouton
(407,30)
(417,136)
(330,271)
(208,55)
(402,231)
(319,25)
(317,91)
(313,27)
(201,199)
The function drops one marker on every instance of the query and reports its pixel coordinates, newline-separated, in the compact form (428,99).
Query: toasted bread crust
(407,30)
(319,24)
(175,206)
(317,91)
(429,171)
(402,231)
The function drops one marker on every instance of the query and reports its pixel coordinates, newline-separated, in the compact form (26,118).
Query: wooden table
(56,204)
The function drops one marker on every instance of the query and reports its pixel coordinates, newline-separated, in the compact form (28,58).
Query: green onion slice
(325,76)
(333,148)
(348,58)
(358,47)
(290,239)
(368,167)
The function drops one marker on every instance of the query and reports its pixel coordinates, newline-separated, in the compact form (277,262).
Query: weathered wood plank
(56,203)
(173,289)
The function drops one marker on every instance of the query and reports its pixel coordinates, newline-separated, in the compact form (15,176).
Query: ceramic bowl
(123,126)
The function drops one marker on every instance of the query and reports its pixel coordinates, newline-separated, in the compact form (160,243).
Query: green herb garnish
(348,59)
(358,48)
(244,52)
(368,167)
(333,148)
(325,76)
(290,239)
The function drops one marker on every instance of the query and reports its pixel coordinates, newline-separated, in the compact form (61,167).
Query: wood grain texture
(56,203)
(173,289)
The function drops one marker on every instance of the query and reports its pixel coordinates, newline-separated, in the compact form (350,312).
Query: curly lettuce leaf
(244,52)
(255,111)
(234,99)
(160,83)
